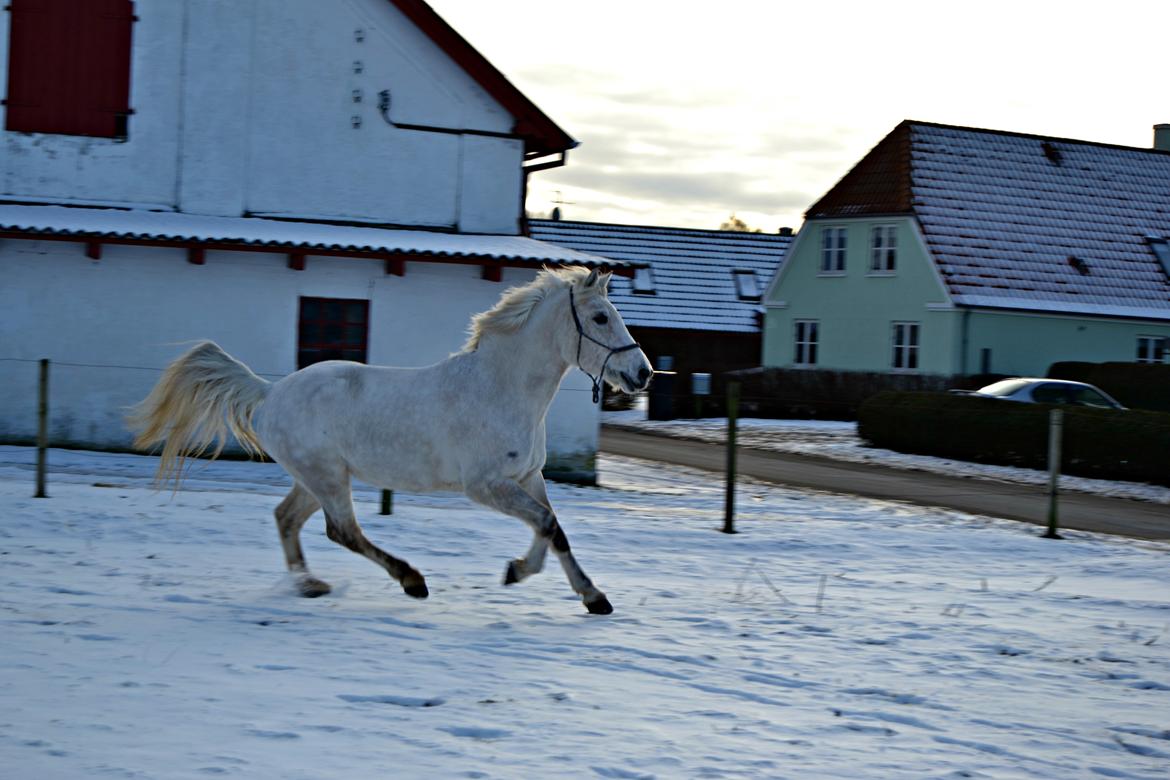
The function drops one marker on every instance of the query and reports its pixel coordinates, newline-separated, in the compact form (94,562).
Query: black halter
(581,334)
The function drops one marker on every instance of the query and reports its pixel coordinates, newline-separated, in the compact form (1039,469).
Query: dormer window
(643,282)
(1162,251)
(747,286)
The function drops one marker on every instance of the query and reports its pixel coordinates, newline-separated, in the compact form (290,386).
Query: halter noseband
(581,334)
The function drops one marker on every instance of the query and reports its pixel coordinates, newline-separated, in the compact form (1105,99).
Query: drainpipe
(556,162)
(964,339)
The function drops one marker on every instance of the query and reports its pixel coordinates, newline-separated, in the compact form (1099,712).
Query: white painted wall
(248,106)
(120,319)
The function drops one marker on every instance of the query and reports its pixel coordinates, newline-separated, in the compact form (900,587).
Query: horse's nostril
(644,375)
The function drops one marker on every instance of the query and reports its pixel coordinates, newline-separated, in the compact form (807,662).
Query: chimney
(1162,137)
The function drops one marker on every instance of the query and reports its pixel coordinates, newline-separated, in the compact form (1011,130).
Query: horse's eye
(600,319)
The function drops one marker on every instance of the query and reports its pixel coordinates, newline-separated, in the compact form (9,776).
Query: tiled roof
(693,270)
(252,233)
(1031,222)
(879,184)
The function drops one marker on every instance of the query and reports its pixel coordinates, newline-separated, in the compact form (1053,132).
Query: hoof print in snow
(311,588)
(397,701)
(474,732)
(599,606)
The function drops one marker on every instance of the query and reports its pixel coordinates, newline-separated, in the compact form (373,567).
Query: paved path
(1082,511)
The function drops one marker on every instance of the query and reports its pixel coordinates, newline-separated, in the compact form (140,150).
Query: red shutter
(69,66)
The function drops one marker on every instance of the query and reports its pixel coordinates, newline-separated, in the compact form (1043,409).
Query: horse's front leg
(521,569)
(509,497)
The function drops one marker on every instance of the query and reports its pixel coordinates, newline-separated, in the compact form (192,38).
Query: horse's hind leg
(291,515)
(342,527)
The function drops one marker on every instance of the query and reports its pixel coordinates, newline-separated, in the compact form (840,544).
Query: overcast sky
(688,111)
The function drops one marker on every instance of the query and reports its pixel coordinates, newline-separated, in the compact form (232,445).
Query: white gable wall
(263,122)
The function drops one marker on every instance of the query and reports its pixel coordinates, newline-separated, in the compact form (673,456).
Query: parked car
(1031,390)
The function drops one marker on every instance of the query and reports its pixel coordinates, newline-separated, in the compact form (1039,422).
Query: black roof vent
(1079,265)
(1053,154)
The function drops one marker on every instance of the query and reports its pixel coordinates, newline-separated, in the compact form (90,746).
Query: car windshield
(1003,387)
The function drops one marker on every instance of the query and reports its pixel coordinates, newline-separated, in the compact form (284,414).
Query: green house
(952,250)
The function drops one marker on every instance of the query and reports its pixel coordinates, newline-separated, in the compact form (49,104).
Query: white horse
(473,422)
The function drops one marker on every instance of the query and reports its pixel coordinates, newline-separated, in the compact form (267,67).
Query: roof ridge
(670,230)
(1031,136)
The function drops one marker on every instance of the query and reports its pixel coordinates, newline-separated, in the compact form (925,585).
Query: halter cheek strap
(611,351)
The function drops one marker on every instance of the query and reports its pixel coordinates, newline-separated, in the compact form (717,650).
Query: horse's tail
(201,398)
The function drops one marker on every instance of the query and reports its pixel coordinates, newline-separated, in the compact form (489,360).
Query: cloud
(677,154)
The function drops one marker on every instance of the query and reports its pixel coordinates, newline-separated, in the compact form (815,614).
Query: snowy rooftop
(155,226)
(1024,221)
(694,272)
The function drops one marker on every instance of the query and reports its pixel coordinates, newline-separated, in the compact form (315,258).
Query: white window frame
(1152,349)
(834,248)
(805,342)
(883,249)
(906,343)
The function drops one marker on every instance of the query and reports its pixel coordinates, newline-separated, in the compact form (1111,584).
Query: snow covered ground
(150,635)
(838,440)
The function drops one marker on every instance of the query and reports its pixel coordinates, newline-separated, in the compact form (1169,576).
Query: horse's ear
(603,281)
(592,278)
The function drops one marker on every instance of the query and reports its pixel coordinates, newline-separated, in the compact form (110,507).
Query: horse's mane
(517,303)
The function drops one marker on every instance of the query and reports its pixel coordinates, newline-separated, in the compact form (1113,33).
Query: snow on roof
(155,226)
(693,271)
(1024,221)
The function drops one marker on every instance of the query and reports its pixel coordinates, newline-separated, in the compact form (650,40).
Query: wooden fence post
(1055,429)
(732,418)
(42,428)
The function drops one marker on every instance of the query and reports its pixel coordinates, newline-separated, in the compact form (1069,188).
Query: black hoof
(510,577)
(311,587)
(599,606)
(418,591)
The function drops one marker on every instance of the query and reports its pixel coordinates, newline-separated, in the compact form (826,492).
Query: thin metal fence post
(1055,429)
(387,507)
(732,419)
(42,428)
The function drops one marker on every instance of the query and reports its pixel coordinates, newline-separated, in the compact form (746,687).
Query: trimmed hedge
(831,395)
(1136,385)
(1100,443)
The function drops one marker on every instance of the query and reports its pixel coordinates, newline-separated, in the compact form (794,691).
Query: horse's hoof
(599,606)
(311,587)
(418,591)
(511,576)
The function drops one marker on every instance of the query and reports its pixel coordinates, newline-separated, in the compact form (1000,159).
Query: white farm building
(296,180)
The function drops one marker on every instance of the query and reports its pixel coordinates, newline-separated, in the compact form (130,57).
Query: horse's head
(604,348)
